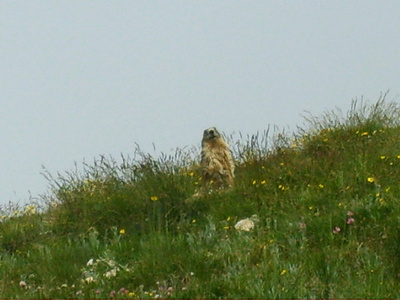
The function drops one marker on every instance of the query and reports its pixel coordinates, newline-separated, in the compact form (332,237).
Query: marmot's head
(211,134)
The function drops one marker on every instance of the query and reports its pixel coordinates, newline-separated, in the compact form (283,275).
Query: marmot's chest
(214,152)
(215,159)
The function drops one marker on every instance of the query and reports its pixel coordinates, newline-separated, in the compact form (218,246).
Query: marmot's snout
(210,133)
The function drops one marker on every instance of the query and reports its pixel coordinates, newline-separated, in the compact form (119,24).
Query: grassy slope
(128,231)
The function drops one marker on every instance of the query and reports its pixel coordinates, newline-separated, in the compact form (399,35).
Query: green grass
(327,198)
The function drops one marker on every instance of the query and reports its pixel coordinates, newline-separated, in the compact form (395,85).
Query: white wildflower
(111,263)
(111,273)
(23,284)
(90,262)
(89,279)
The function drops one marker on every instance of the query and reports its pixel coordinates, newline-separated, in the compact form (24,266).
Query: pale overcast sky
(84,78)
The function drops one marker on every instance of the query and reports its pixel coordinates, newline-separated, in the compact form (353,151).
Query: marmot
(216,160)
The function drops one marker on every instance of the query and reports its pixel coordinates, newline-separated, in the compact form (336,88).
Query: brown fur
(216,160)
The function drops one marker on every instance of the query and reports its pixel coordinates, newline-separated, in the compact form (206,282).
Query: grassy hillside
(327,200)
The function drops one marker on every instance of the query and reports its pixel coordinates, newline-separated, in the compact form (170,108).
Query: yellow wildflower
(283,272)
(283,187)
(30,210)
(153,198)
(371,179)
(122,231)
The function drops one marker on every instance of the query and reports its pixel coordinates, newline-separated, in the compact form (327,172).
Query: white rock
(245,225)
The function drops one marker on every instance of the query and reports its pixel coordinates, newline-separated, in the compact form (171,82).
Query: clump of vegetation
(327,205)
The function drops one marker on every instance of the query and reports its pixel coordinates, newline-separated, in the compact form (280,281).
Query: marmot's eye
(211,131)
